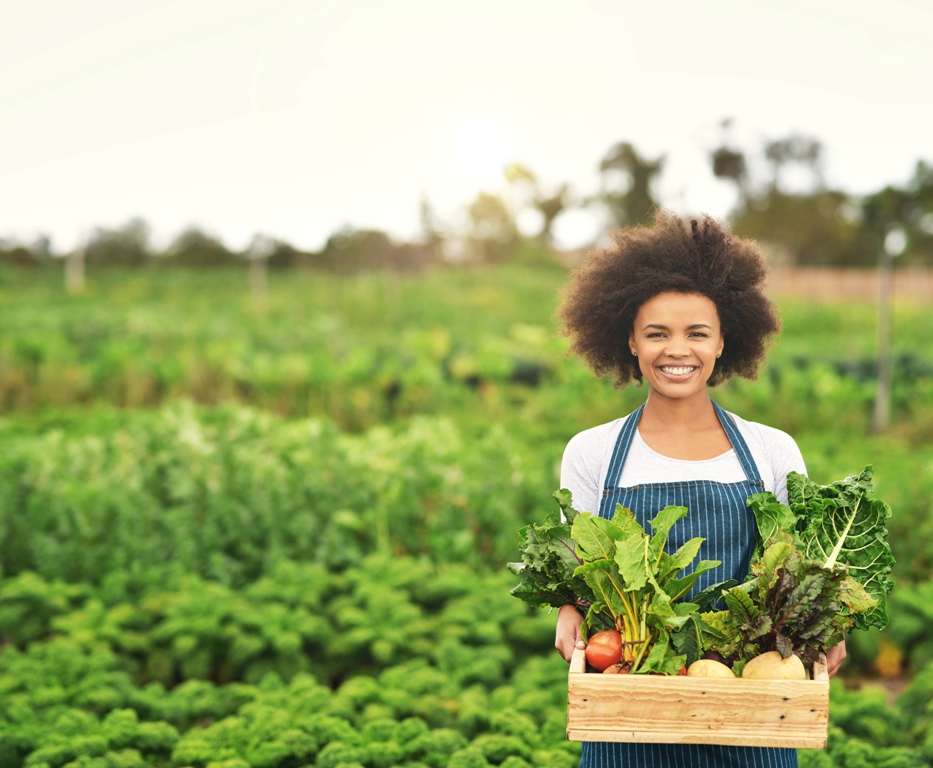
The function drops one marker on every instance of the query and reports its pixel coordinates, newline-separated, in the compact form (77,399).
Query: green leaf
(564,500)
(631,557)
(661,526)
(594,536)
(712,594)
(662,658)
(603,580)
(842,525)
(769,568)
(625,521)
(694,636)
(546,569)
(677,588)
(771,517)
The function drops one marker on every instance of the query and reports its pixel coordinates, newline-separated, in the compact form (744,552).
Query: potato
(709,668)
(771,666)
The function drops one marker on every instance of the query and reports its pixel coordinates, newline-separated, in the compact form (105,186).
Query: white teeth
(677,371)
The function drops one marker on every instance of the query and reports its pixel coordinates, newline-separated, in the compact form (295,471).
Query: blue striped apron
(718,513)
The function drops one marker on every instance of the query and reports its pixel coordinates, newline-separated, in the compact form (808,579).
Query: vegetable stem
(842,539)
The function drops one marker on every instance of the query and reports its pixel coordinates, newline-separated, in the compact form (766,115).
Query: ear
(722,343)
(631,344)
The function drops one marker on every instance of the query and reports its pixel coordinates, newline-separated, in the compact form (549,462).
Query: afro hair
(680,255)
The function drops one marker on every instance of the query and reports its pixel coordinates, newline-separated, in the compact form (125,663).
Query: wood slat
(693,710)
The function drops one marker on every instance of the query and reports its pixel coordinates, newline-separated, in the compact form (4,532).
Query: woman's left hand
(834,658)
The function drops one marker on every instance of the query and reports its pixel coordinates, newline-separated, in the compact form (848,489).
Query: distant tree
(551,206)
(729,163)
(286,256)
(195,248)
(626,184)
(19,255)
(548,203)
(908,209)
(493,234)
(819,228)
(127,245)
(796,149)
(432,237)
(353,250)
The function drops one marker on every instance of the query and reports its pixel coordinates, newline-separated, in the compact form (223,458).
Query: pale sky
(293,118)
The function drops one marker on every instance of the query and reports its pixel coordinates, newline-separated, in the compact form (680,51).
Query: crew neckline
(644,446)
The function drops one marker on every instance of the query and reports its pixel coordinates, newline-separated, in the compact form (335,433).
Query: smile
(680,370)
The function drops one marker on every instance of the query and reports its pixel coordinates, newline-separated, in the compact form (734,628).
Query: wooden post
(74,271)
(894,245)
(259,252)
(259,281)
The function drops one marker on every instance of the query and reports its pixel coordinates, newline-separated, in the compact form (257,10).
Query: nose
(676,347)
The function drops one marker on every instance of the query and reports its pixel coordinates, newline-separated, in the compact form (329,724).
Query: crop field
(238,534)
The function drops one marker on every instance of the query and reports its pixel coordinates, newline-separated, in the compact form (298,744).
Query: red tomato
(604,649)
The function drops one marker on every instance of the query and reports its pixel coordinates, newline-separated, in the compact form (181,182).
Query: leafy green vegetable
(549,561)
(820,569)
(836,525)
(618,576)
(793,605)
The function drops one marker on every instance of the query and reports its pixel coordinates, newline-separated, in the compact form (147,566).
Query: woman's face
(677,338)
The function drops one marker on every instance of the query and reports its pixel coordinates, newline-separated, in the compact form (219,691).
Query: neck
(667,413)
(683,429)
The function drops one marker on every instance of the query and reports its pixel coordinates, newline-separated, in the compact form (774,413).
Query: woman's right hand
(568,636)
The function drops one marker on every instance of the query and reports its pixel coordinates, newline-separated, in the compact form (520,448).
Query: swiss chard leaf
(841,524)
(838,525)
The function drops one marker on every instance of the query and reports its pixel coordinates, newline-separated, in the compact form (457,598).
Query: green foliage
(228,493)
(549,562)
(275,538)
(842,524)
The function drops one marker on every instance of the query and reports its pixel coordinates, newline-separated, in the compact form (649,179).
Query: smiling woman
(679,306)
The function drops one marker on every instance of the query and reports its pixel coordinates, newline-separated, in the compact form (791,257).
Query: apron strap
(624,443)
(738,444)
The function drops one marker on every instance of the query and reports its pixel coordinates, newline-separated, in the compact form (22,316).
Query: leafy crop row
(373,350)
(228,493)
(432,666)
(395,662)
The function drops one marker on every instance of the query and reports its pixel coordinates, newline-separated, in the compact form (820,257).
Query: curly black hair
(681,255)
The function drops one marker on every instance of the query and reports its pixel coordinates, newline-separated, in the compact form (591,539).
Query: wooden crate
(695,710)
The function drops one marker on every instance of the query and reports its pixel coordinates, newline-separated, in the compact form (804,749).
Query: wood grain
(693,710)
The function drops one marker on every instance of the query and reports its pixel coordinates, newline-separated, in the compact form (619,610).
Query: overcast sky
(293,118)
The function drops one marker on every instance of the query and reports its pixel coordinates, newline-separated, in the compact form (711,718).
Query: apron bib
(718,513)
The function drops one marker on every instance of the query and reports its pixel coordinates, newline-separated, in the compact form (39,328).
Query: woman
(681,307)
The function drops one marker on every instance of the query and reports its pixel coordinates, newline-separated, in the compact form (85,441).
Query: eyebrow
(661,327)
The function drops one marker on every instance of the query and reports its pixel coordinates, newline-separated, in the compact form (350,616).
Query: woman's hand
(834,657)
(568,634)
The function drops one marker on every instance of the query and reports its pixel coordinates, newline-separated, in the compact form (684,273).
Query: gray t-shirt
(587,456)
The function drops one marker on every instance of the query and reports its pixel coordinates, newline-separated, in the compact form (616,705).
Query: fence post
(894,244)
(74,271)
(258,254)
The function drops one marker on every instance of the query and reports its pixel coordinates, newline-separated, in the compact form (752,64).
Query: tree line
(782,201)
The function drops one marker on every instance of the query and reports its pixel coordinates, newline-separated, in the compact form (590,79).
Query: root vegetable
(772,666)
(709,668)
